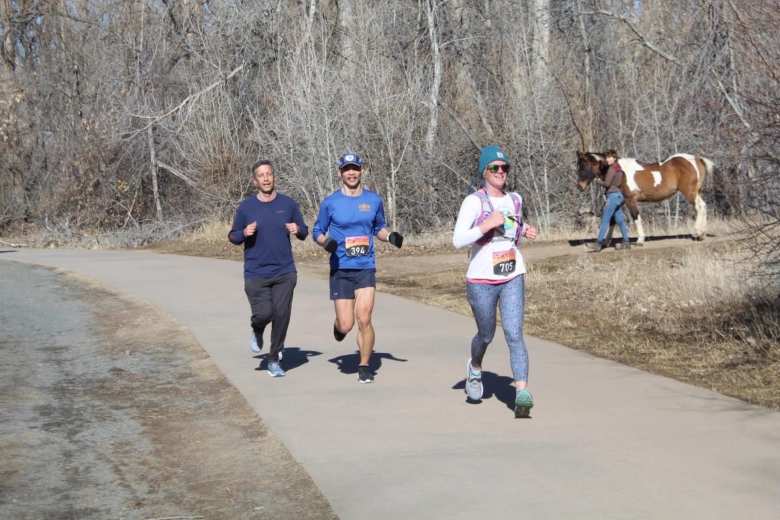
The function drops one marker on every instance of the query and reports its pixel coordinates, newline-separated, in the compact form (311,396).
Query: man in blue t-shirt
(347,223)
(264,223)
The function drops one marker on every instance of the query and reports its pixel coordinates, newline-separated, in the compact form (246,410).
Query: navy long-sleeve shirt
(267,253)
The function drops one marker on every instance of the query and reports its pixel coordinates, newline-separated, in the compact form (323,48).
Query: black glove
(396,239)
(331,245)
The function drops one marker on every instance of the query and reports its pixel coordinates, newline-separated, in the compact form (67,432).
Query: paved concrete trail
(605,441)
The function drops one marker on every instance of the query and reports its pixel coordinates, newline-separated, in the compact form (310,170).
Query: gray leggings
(510,296)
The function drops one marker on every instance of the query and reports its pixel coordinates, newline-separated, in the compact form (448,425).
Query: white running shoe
(253,346)
(473,382)
(275,369)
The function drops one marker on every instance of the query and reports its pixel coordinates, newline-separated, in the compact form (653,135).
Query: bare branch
(13,244)
(457,174)
(460,124)
(731,101)
(188,99)
(188,180)
(645,42)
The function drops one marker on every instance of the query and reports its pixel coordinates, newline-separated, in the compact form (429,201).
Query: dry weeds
(210,239)
(653,227)
(698,314)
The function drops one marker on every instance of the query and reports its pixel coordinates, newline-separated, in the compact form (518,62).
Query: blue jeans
(612,208)
(510,298)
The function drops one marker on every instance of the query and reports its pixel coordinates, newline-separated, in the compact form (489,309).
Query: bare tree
(117,113)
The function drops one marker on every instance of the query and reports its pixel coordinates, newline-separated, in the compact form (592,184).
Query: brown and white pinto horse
(653,182)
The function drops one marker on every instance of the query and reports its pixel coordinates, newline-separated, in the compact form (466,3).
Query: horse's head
(589,166)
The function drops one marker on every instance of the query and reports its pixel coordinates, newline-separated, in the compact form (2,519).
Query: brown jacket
(613,179)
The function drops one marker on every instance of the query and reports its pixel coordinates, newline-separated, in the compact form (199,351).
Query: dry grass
(696,314)
(210,239)
(653,227)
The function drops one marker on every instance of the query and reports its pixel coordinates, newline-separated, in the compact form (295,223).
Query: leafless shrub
(698,315)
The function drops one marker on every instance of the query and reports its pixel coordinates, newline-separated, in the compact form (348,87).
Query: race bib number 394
(356,246)
(504,263)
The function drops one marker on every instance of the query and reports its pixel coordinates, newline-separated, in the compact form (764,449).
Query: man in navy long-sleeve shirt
(264,223)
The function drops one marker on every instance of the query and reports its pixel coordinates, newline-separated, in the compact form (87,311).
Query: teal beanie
(491,153)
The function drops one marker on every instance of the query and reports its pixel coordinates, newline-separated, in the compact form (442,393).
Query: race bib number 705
(504,263)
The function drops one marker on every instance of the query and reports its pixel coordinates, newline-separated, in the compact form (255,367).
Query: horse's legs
(640,230)
(693,197)
(633,209)
(700,226)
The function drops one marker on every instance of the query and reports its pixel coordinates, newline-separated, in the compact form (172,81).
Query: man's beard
(264,192)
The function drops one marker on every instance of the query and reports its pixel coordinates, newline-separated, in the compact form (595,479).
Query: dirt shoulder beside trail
(111,410)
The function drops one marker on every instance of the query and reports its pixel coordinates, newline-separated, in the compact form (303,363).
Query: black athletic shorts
(343,282)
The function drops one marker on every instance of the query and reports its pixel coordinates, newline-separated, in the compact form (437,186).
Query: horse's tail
(709,167)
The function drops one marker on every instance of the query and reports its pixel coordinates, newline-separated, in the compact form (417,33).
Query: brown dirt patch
(126,416)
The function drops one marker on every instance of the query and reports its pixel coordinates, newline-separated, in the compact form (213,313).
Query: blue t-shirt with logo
(267,253)
(352,222)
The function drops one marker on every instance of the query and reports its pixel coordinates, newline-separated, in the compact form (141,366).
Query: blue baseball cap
(349,158)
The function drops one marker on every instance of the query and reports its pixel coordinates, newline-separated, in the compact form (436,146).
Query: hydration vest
(487,209)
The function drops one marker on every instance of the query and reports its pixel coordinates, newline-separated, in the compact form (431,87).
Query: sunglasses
(348,167)
(495,168)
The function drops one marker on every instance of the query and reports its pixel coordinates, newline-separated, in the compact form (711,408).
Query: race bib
(504,263)
(356,246)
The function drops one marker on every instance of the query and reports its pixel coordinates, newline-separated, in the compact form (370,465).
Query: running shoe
(365,375)
(253,345)
(473,382)
(524,401)
(275,369)
(338,334)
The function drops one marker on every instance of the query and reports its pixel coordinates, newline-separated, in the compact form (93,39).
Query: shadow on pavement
(652,238)
(292,358)
(493,385)
(348,363)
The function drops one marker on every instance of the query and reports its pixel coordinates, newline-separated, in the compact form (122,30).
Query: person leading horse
(654,182)
(613,183)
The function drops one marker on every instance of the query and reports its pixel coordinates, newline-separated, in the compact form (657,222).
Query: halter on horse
(653,182)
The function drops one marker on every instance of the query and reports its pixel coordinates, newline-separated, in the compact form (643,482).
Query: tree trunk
(347,37)
(433,123)
(153,161)
(586,108)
